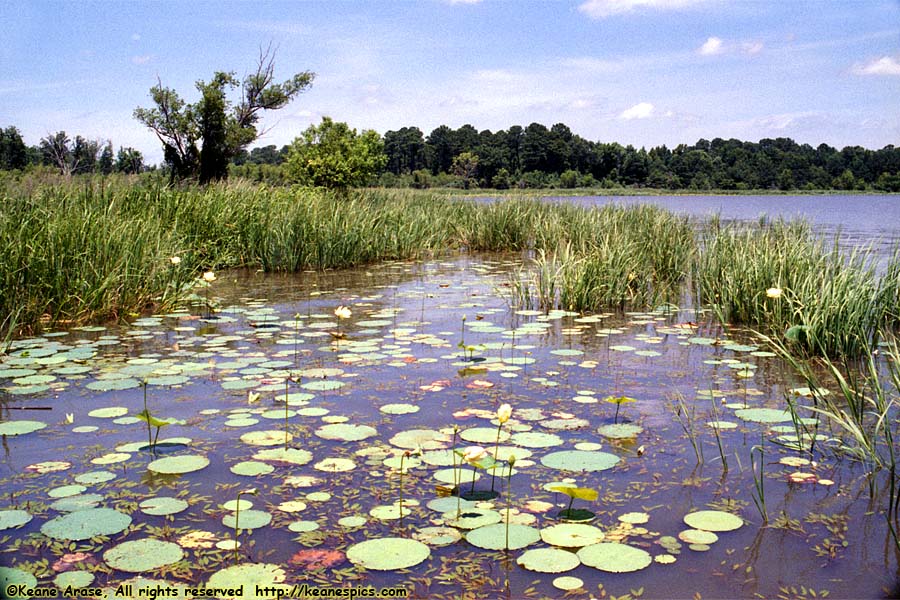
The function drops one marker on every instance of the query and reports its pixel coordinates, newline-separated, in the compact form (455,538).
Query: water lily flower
(342,312)
(252,491)
(504,413)
(70,418)
(175,260)
(473,453)
(773,292)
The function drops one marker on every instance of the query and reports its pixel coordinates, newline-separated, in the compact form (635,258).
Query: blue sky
(641,72)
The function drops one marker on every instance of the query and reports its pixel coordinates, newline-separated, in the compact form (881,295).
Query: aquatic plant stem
(237,514)
(511,461)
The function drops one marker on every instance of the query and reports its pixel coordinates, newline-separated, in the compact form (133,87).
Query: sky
(640,72)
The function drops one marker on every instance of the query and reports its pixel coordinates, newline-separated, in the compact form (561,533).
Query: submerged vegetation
(99,249)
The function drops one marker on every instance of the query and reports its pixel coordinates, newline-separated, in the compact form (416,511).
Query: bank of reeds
(92,249)
(779,277)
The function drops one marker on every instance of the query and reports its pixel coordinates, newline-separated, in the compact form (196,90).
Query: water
(402,346)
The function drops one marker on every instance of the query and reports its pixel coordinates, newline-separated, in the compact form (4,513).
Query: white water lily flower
(473,453)
(342,312)
(773,292)
(175,260)
(209,277)
(504,413)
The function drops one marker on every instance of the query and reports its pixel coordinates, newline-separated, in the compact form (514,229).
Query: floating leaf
(588,494)
(163,505)
(20,427)
(580,460)
(572,535)
(763,415)
(85,524)
(437,536)
(388,554)
(494,537)
(713,520)
(13,518)
(549,560)
(10,578)
(346,432)
(139,556)
(615,558)
(187,463)
(620,431)
(568,583)
(248,519)
(247,577)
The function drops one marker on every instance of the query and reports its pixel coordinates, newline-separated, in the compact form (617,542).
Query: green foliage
(13,152)
(222,127)
(333,156)
(465,166)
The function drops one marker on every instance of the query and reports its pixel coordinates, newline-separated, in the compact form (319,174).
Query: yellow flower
(209,277)
(175,260)
(70,418)
(473,453)
(342,312)
(773,292)
(504,413)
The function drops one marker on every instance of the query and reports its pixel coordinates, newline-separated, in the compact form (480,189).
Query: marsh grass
(92,249)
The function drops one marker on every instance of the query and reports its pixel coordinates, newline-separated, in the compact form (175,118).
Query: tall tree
(13,152)
(221,127)
(333,155)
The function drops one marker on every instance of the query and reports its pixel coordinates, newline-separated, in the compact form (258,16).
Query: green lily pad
(483,435)
(426,439)
(303,526)
(247,577)
(291,456)
(399,409)
(568,583)
(388,554)
(549,560)
(85,524)
(472,518)
(78,502)
(252,468)
(615,558)
(713,520)
(763,415)
(323,385)
(139,556)
(580,460)
(13,518)
(335,465)
(75,579)
(12,577)
(494,537)
(437,536)
(698,536)
(248,519)
(534,439)
(352,521)
(20,427)
(266,438)
(109,412)
(572,535)
(187,463)
(163,505)
(107,385)
(620,431)
(64,491)
(346,432)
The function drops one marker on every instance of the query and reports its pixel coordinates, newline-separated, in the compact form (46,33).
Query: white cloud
(600,9)
(642,110)
(752,47)
(886,65)
(711,47)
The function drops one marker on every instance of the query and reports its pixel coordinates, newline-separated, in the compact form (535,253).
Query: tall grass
(97,248)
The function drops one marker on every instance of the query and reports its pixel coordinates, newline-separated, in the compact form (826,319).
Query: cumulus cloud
(886,65)
(642,110)
(752,47)
(600,9)
(711,46)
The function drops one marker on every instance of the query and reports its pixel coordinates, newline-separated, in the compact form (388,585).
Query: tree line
(69,156)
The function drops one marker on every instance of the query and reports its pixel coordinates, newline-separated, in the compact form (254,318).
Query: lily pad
(75,579)
(580,460)
(568,583)
(494,537)
(20,427)
(437,536)
(549,560)
(472,518)
(252,468)
(388,554)
(763,415)
(615,558)
(163,505)
(9,578)
(247,577)
(713,520)
(139,556)
(534,439)
(266,438)
(110,412)
(291,456)
(698,536)
(248,519)
(620,431)
(85,524)
(572,535)
(13,518)
(346,432)
(171,465)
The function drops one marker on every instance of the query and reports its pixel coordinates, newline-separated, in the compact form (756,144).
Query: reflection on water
(399,363)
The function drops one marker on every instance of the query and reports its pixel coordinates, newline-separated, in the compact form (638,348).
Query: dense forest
(527,157)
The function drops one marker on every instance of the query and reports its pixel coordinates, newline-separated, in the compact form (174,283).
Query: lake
(132,453)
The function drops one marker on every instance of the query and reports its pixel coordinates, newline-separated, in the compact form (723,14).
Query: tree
(221,127)
(68,156)
(334,156)
(13,152)
(129,161)
(465,165)
(106,162)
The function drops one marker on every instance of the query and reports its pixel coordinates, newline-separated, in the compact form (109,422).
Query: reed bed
(94,248)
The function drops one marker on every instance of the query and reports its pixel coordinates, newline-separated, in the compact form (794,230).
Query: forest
(523,157)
